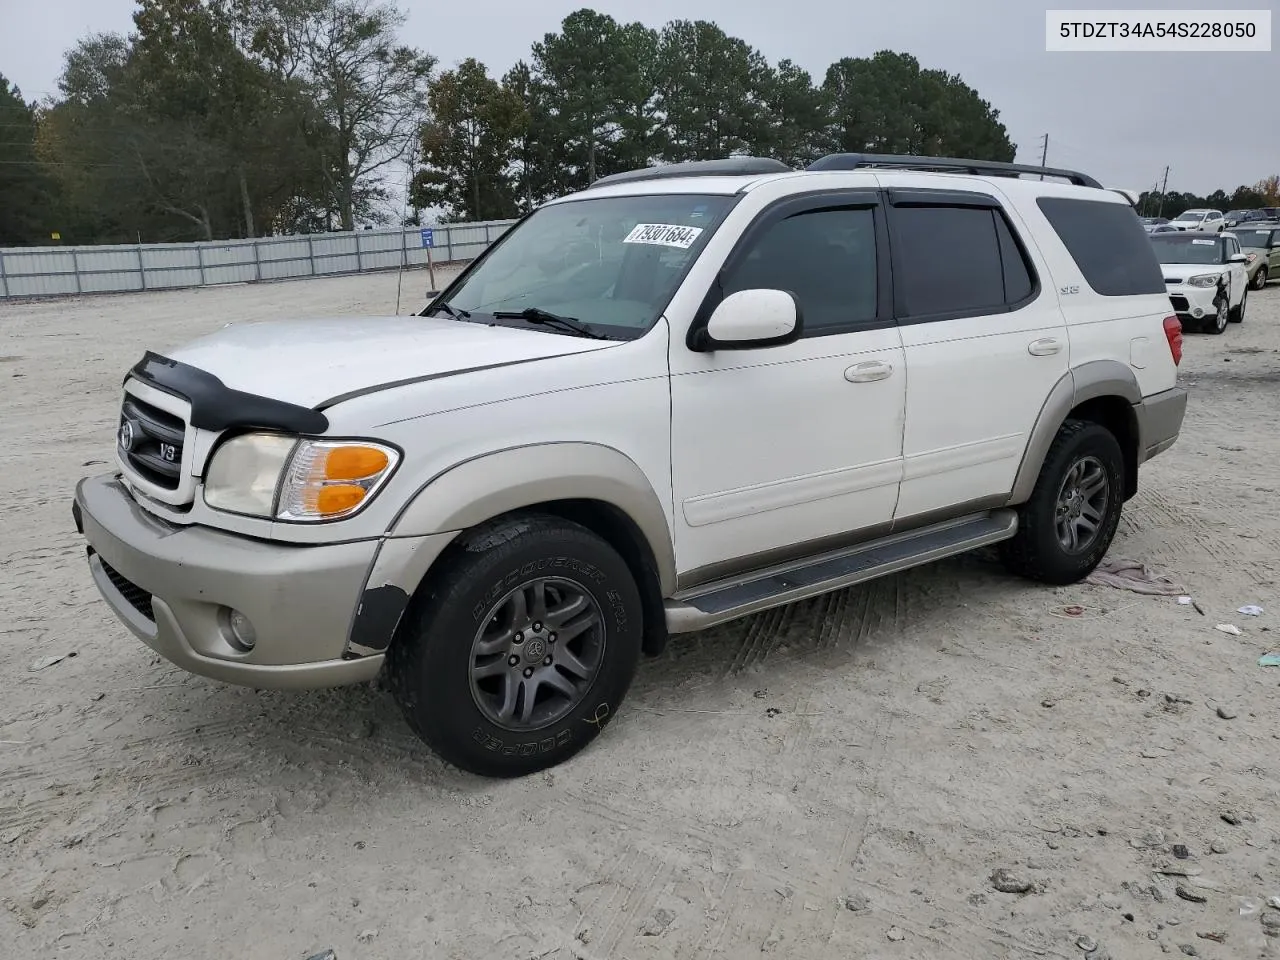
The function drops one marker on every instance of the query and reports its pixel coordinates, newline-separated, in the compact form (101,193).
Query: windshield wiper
(452,311)
(538,315)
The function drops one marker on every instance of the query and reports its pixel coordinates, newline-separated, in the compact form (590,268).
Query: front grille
(1179,303)
(1172,280)
(138,598)
(150,441)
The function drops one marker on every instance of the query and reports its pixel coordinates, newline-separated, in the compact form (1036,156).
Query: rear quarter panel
(1128,329)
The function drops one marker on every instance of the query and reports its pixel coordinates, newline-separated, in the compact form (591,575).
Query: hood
(308,362)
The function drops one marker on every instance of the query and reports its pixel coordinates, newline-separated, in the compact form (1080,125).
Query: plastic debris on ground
(1185,601)
(1250,610)
(1269,660)
(1133,575)
(1230,628)
(46,662)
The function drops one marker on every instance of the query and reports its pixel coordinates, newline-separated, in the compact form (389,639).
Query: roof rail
(728,167)
(856,161)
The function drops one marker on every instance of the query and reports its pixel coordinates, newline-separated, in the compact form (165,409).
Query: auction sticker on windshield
(664,234)
(1203,243)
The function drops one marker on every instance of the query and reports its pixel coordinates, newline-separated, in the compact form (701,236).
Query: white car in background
(1210,221)
(1206,276)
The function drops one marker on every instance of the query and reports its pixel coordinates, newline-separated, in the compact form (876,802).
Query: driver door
(781,451)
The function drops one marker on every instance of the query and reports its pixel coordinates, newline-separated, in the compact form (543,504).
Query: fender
(1097,378)
(476,490)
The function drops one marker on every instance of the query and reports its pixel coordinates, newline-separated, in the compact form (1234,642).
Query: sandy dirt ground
(836,779)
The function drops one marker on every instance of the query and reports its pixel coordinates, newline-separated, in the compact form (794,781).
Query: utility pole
(1163,186)
(1044,154)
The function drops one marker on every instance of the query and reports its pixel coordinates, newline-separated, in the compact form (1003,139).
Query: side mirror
(750,319)
(1237,258)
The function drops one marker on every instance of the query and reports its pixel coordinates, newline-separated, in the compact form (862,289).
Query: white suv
(684,395)
(1211,221)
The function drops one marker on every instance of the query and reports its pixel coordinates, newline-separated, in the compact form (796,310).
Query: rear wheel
(1066,527)
(520,652)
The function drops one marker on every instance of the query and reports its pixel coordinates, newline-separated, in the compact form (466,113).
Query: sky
(1214,119)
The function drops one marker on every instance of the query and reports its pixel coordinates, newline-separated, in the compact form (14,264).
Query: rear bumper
(171,586)
(1160,419)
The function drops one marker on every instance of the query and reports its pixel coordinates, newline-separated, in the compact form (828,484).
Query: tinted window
(827,258)
(1256,239)
(1107,243)
(1018,284)
(957,260)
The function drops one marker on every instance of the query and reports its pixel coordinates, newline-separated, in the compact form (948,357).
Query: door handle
(869,371)
(1044,348)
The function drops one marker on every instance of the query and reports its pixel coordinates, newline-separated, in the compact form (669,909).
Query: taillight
(1173,333)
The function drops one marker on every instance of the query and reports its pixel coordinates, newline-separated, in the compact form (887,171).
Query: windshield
(1254,239)
(1190,215)
(1172,248)
(1237,214)
(610,262)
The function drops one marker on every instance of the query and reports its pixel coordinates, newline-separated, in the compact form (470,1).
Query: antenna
(404,214)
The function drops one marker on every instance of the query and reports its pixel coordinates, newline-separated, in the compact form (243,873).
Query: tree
(467,146)
(887,104)
(1268,189)
(635,97)
(27,193)
(798,116)
(537,173)
(369,89)
(1246,198)
(595,80)
(710,92)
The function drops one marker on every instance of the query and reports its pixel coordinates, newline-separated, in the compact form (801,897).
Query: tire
(1218,323)
(451,667)
(1260,278)
(1081,449)
(1237,315)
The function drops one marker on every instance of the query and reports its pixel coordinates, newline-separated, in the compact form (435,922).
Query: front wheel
(519,653)
(1218,322)
(1066,527)
(1260,278)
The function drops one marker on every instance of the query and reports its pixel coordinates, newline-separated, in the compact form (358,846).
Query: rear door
(985,343)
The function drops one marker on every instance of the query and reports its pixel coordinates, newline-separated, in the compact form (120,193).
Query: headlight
(285,478)
(245,473)
(1250,257)
(1204,280)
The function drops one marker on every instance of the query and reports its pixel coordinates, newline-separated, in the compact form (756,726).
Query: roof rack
(857,161)
(728,167)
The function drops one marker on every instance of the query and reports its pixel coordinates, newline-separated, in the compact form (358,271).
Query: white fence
(62,271)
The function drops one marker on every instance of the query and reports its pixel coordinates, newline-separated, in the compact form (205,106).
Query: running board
(727,600)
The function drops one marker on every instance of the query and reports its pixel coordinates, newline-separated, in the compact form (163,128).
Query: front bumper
(1160,419)
(170,585)
(1195,304)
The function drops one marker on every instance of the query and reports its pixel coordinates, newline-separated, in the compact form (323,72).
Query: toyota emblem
(128,435)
